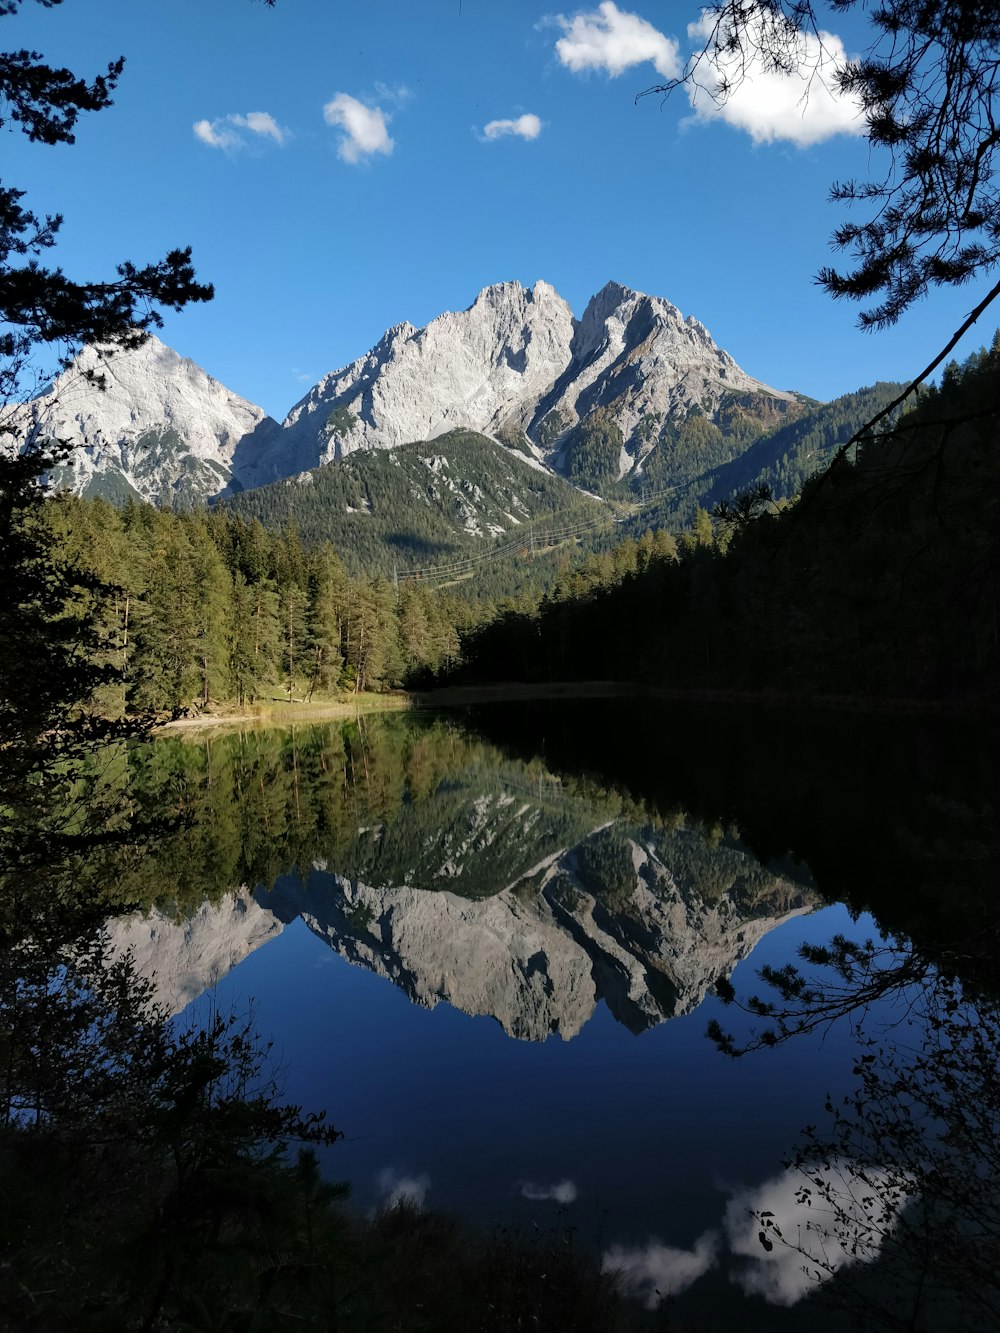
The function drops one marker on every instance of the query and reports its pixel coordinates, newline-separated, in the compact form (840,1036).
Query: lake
(489,944)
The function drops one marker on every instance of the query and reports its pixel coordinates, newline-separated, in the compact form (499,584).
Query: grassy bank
(279,712)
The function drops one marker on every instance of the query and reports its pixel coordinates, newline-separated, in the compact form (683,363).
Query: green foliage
(592,451)
(341,421)
(606,869)
(387,800)
(416,506)
(746,439)
(551,425)
(512,437)
(786,458)
(881,582)
(648,427)
(207,609)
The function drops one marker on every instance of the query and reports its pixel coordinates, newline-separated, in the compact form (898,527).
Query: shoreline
(515,691)
(278,714)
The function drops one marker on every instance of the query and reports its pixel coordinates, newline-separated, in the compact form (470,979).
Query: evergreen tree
(165,673)
(214,607)
(325,609)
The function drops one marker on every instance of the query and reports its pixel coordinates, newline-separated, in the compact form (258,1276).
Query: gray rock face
(473,368)
(634,356)
(515,365)
(161,429)
(502,366)
(540,961)
(537,957)
(184,959)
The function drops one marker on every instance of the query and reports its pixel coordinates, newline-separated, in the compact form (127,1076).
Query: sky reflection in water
(648,1142)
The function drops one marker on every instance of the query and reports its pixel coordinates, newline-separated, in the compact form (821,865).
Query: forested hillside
(199,609)
(252,600)
(416,506)
(203,608)
(704,459)
(461,505)
(882,581)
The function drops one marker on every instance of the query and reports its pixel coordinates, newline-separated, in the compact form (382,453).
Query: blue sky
(341,179)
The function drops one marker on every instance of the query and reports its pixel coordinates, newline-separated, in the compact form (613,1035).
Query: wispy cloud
(396,1189)
(563,1192)
(523,127)
(364,128)
(612,40)
(820,1240)
(304,377)
(653,1271)
(802,107)
(239,131)
(396,94)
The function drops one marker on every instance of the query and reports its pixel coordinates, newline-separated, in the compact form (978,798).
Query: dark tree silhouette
(926,87)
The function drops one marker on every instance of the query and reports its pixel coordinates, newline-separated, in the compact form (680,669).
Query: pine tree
(214,609)
(165,673)
(325,610)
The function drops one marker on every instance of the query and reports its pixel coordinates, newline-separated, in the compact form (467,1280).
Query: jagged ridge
(515,365)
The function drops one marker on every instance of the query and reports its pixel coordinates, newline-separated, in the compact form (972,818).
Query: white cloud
(563,1192)
(611,40)
(817,1241)
(229,132)
(262,123)
(654,1271)
(364,127)
(525,127)
(398,94)
(396,1189)
(802,107)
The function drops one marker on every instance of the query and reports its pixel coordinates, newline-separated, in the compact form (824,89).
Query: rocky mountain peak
(514,361)
(149,423)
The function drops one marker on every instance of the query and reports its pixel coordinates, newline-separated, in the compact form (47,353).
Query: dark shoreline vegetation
(882,582)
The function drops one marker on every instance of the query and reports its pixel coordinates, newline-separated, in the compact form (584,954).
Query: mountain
(420,504)
(161,429)
(463,502)
(473,368)
(593,399)
(517,365)
(186,957)
(540,955)
(649,938)
(417,851)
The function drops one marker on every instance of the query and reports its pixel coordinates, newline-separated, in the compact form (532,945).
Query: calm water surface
(489,946)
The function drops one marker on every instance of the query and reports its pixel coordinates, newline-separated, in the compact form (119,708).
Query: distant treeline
(200,608)
(882,581)
(435,503)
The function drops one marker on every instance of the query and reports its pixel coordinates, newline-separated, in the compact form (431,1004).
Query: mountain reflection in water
(498,888)
(577,857)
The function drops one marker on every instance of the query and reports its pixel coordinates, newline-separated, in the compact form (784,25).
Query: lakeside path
(279,714)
